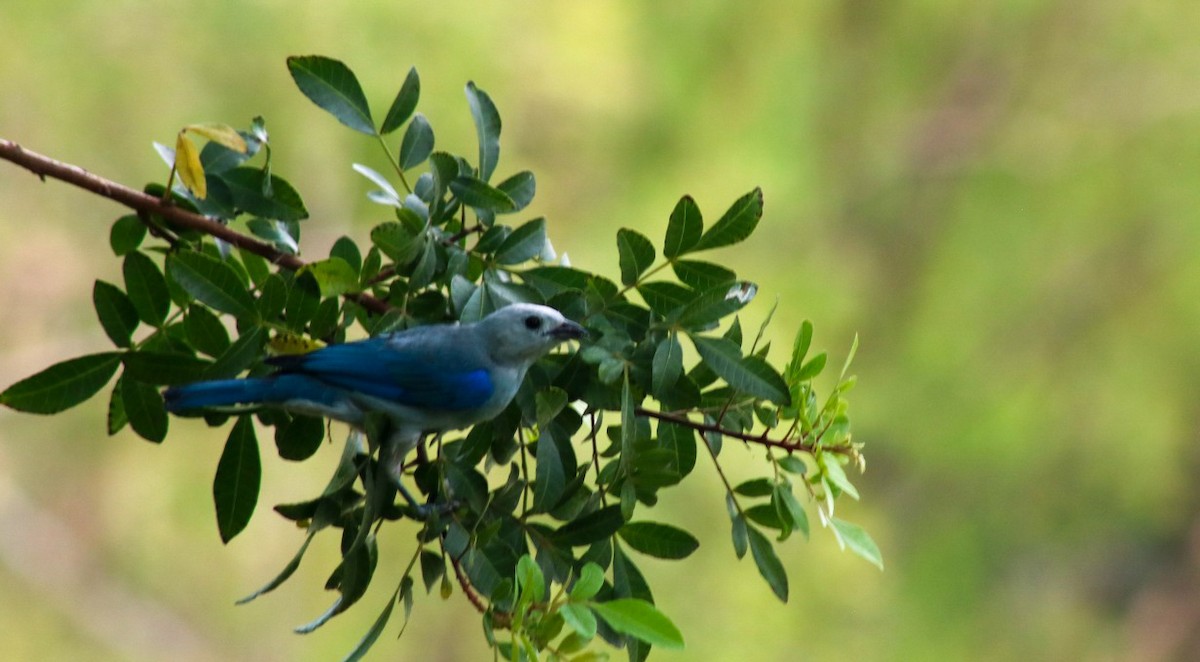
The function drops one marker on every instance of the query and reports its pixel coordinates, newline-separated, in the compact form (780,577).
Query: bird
(426,379)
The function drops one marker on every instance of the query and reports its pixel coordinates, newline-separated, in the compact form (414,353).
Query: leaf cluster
(551,491)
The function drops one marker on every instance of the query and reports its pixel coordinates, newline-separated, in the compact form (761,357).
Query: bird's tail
(219,394)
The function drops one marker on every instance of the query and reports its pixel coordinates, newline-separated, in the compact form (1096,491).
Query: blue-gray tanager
(424,379)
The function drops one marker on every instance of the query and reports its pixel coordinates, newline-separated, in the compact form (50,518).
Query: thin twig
(44,166)
(798,445)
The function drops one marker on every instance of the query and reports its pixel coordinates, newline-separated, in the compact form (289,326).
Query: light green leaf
(580,619)
(334,276)
(858,540)
(62,385)
(591,580)
(332,85)
(640,619)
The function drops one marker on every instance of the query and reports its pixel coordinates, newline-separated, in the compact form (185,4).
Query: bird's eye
(533,322)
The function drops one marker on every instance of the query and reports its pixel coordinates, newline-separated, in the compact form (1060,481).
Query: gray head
(523,332)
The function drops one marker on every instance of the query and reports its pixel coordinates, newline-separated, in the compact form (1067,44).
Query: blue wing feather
(406,376)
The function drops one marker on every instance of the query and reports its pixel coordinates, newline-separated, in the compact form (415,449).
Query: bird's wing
(413,375)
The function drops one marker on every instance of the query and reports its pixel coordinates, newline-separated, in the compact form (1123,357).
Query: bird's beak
(568,330)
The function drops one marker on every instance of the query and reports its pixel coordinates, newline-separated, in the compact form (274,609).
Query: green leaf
(417,144)
(146,288)
(837,475)
(332,85)
(487,129)
(667,366)
(530,580)
(636,254)
(397,241)
(404,104)
(551,472)
(299,437)
(580,619)
(755,487)
(737,223)
(116,411)
(525,243)
(750,374)
(683,229)
(716,303)
(247,185)
(334,276)
(481,195)
(589,528)
(740,537)
(116,312)
(238,356)
(659,540)
(702,275)
(213,282)
(126,235)
(288,570)
(62,385)
(591,580)
(235,487)
(346,250)
(664,297)
(144,408)
(858,540)
(205,332)
(639,619)
(164,368)
(768,563)
(791,506)
(520,188)
(811,369)
(372,634)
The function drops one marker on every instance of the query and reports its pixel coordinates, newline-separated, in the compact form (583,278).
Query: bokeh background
(999,197)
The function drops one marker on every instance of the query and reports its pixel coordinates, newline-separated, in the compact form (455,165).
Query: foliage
(547,493)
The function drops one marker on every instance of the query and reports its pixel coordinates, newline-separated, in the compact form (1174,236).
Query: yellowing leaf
(219,133)
(287,344)
(187,164)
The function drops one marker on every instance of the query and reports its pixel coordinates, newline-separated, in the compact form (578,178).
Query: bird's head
(524,332)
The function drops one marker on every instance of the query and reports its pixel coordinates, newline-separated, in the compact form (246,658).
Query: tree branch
(798,445)
(44,166)
(500,619)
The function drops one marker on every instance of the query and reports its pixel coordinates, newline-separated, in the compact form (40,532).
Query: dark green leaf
(737,223)
(332,85)
(144,408)
(636,254)
(240,355)
(520,188)
(62,385)
(404,104)
(126,235)
(247,184)
(397,241)
(659,540)
(417,144)
(299,437)
(589,528)
(684,228)
(751,374)
(663,297)
(740,537)
(235,487)
(205,331)
(640,619)
(433,567)
(768,563)
(116,411)
(755,487)
(164,368)
(525,243)
(787,502)
(480,195)
(146,288)
(487,129)
(858,540)
(702,275)
(716,303)
(346,250)
(667,366)
(213,282)
(376,629)
(284,574)
(117,314)
(680,441)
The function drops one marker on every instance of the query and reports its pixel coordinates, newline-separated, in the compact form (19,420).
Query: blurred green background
(999,197)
